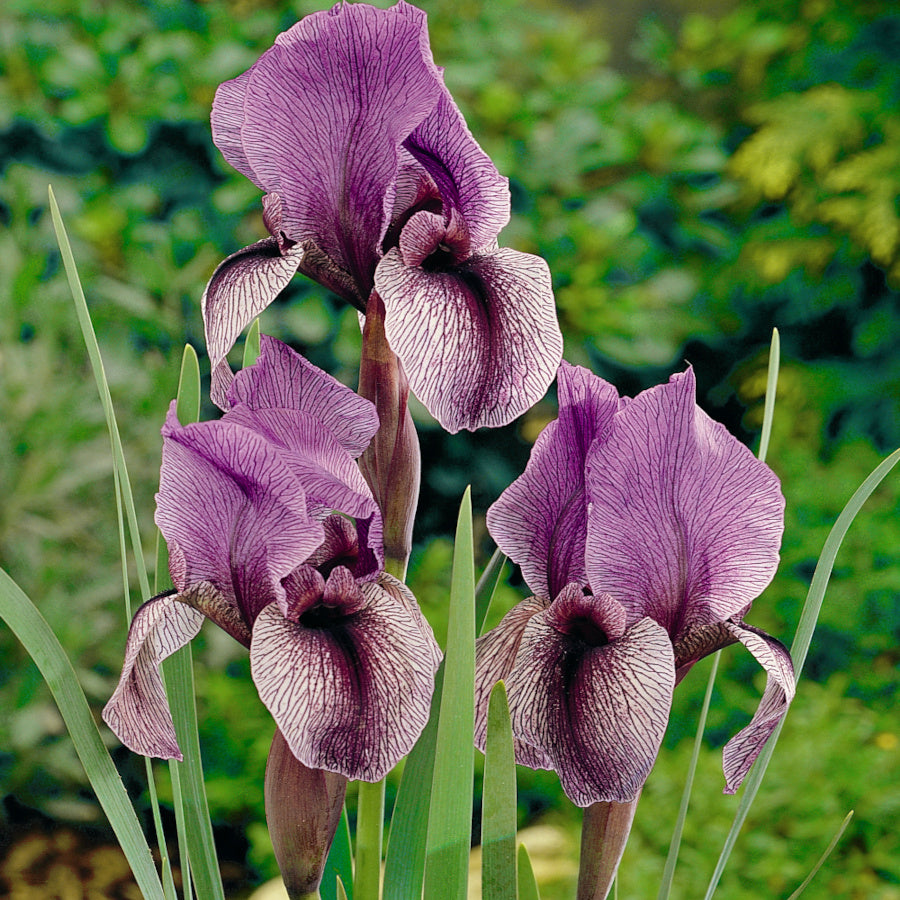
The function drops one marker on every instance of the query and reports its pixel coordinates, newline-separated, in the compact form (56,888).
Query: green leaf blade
(498,816)
(450,817)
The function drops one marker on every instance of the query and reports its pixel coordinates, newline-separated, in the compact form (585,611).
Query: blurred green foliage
(742,173)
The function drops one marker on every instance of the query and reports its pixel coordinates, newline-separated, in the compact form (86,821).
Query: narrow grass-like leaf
(251,345)
(498,811)
(823,857)
(188,400)
(404,865)
(450,816)
(339,865)
(771,390)
(528,888)
(42,646)
(765,434)
(341,891)
(800,647)
(486,588)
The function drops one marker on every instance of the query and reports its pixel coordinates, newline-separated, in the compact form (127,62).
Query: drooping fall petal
(350,693)
(744,747)
(138,712)
(540,520)
(479,341)
(598,711)
(242,286)
(685,523)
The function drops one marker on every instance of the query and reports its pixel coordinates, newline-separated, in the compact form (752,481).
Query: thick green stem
(604,833)
(369,830)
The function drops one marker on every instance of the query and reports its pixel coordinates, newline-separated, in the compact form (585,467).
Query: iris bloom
(374,182)
(274,535)
(644,530)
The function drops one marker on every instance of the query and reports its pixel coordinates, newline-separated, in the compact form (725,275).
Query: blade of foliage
(800,647)
(124,496)
(823,857)
(498,811)
(771,390)
(486,588)
(188,399)
(339,865)
(527,883)
(404,865)
(251,345)
(675,843)
(450,816)
(36,636)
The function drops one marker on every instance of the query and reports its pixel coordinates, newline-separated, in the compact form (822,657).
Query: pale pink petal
(138,711)
(480,341)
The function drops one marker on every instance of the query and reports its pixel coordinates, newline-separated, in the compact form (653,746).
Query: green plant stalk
(526,882)
(823,857)
(178,692)
(369,830)
(800,647)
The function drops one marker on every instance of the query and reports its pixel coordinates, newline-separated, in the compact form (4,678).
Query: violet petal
(282,379)
(323,114)
(138,712)
(353,696)
(598,712)
(540,520)
(495,656)
(744,747)
(480,341)
(232,512)
(242,286)
(685,523)
(468,181)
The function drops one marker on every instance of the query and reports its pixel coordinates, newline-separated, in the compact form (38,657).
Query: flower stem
(369,828)
(604,833)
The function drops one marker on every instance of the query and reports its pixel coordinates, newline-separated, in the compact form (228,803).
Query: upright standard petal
(348,680)
(595,703)
(479,340)
(685,523)
(138,712)
(321,117)
(232,512)
(540,520)
(282,379)
(468,182)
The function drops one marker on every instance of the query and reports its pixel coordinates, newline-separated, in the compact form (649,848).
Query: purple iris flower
(374,182)
(644,530)
(275,536)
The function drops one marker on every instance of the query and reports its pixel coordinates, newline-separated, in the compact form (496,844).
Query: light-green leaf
(528,888)
(800,647)
(498,812)
(450,816)
(251,345)
(42,646)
